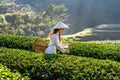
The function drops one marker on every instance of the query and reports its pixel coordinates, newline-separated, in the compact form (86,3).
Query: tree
(56,11)
(18,20)
(34,23)
(52,15)
(3,20)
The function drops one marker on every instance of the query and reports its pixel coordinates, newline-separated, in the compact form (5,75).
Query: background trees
(33,23)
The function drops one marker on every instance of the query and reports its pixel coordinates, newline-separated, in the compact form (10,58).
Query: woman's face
(61,30)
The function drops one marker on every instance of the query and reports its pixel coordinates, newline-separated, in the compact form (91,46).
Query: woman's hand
(67,52)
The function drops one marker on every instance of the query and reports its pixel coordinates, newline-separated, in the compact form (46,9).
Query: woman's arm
(57,44)
(65,45)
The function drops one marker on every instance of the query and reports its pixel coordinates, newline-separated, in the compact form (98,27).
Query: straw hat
(60,25)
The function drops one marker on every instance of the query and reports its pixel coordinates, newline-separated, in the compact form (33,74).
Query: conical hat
(60,25)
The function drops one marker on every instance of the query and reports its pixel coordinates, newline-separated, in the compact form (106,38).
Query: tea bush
(59,67)
(6,74)
(20,42)
(96,50)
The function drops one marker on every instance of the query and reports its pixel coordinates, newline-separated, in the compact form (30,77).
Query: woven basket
(40,46)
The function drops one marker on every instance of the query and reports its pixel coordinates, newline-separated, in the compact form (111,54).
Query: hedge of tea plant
(59,67)
(6,74)
(20,42)
(96,50)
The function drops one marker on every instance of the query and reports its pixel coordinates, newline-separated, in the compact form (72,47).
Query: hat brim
(60,25)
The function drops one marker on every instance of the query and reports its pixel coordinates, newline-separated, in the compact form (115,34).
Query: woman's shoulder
(55,35)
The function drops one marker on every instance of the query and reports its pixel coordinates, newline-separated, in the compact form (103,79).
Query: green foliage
(6,74)
(21,42)
(51,16)
(3,8)
(14,21)
(18,20)
(96,50)
(55,11)
(62,67)
(2,20)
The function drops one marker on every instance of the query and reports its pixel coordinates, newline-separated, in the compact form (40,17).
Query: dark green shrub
(6,74)
(59,67)
(96,50)
(20,42)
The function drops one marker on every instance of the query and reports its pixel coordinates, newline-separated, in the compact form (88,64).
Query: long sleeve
(57,43)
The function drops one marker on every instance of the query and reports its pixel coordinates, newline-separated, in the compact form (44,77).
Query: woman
(56,40)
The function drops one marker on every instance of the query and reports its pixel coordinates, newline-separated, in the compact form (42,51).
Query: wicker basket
(39,46)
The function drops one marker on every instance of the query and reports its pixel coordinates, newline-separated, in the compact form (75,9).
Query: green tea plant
(6,74)
(20,42)
(59,67)
(96,50)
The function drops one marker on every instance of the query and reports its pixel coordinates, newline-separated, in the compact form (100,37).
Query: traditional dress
(54,44)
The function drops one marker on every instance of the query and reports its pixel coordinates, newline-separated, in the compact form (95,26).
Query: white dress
(54,44)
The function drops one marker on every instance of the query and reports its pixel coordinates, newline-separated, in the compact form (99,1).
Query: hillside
(99,33)
(22,19)
(84,13)
(104,32)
